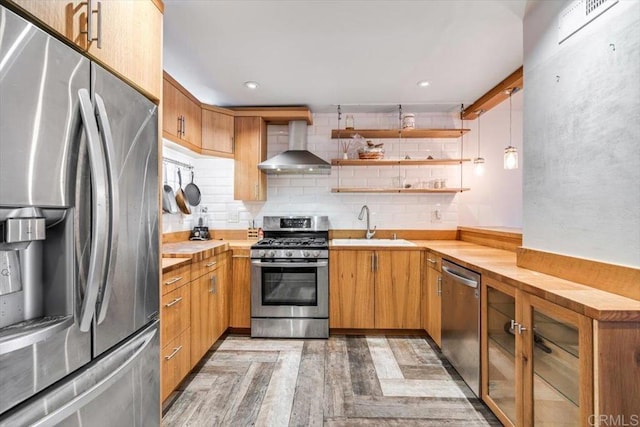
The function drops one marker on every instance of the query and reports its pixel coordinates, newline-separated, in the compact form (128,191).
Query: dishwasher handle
(464,280)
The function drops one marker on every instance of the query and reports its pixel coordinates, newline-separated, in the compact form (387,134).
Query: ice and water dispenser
(36,274)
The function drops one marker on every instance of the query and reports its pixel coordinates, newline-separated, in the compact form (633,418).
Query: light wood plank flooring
(342,381)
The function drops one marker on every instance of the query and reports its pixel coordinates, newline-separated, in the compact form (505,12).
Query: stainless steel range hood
(297,159)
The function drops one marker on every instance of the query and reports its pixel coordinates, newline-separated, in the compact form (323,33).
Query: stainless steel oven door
(290,289)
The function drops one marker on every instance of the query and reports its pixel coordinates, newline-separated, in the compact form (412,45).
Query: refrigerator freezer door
(119,389)
(40,132)
(39,120)
(129,300)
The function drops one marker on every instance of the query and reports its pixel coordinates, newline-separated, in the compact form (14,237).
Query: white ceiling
(364,55)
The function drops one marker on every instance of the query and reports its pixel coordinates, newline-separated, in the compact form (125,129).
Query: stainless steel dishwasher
(461,321)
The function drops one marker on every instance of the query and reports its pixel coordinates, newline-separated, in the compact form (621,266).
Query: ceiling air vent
(578,14)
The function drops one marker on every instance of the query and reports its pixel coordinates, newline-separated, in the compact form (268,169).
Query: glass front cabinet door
(537,359)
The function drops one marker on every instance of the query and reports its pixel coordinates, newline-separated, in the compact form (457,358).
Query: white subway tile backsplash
(311,194)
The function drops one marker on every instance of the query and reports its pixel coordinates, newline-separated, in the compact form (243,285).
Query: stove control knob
(288,253)
(305,253)
(261,253)
(271,253)
(316,254)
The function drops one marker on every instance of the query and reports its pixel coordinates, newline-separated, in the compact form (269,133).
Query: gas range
(291,247)
(290,278)
(293,237)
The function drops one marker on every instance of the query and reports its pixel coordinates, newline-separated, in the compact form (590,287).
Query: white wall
(582,135)
(499,192)
(495,198)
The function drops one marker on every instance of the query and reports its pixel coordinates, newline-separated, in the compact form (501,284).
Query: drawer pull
(174,302)
(432,261)
(211,264)
(173,353)
(172,281)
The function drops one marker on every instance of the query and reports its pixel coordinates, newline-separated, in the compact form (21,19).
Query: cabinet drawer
(207,265)
(176,313)
(434,261)
(176,278)
(175,360)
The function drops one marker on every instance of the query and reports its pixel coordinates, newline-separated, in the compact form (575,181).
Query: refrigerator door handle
(100,211)
(72,394)
(114,207)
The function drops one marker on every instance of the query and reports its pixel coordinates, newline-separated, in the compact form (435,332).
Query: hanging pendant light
(478,162)
(511,152)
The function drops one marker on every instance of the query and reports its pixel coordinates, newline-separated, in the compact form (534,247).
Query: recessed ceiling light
(251,85)
(423,83)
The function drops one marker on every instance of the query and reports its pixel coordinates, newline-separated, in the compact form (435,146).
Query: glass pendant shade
(510,158)
(478,166)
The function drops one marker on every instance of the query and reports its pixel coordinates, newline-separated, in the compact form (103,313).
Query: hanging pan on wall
(168,198)
(180,198)
(192,192)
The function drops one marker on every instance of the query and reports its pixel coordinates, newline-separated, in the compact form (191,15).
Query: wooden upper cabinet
(131,42)
(217,132)
(181,117)
(130,35)
(250,150)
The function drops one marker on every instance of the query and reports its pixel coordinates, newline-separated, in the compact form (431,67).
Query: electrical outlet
(436,215)
(233,217)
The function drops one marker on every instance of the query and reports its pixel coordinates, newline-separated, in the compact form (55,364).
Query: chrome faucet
(370,232)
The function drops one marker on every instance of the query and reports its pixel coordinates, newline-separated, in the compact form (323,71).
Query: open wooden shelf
(397,133)
(398,190)
(396,162)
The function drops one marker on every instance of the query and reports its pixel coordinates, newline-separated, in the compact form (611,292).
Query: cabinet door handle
(214,285)
(439,291)
(174,302)
(515,326)
(172,281)
(173,353)
(179,129)
(211,264)
(184,126)
(432,261)
(89,31)
(99,38)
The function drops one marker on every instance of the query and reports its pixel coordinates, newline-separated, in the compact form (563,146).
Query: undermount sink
(372,242)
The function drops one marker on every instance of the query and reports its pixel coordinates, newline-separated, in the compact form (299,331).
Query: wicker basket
(371,153)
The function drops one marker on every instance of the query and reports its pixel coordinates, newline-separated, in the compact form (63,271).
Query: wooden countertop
(494,263)
(501,265)
(170,264)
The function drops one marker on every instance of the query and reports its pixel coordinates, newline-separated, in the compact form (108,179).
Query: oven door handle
(290,264)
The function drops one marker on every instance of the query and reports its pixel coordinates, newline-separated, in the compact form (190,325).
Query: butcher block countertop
(501,265)
(497,264)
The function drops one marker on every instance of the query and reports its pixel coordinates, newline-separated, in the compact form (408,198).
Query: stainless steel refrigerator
(79,337)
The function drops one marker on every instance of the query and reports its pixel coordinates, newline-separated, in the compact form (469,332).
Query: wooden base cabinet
(537,359)
(209,307)
(175,322)
(374,289)
(240,292)
(432,298)
(175,359)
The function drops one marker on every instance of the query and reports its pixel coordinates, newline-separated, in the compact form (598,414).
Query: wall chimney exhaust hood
(297,159)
